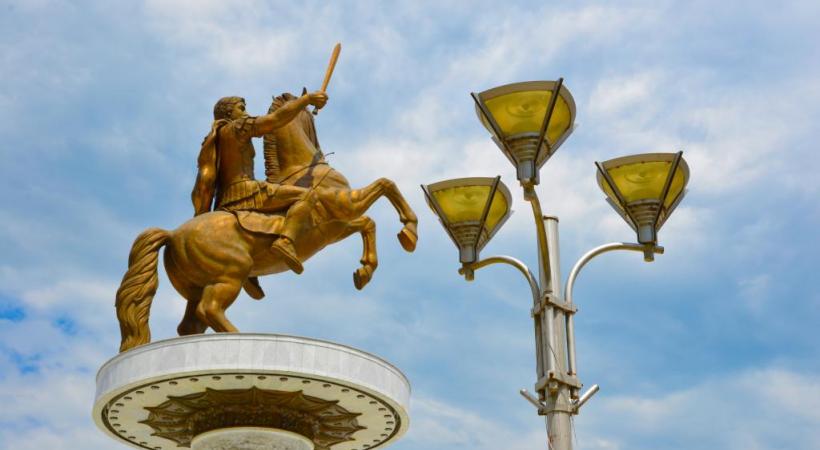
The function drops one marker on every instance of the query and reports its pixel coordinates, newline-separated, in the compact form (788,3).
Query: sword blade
(332,65)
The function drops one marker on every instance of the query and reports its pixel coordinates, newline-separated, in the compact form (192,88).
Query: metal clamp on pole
(548,300)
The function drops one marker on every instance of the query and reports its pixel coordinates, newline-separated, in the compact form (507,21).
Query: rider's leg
(297,216)
(280,199)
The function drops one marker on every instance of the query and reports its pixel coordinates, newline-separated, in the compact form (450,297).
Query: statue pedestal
(251,392)
(250,438)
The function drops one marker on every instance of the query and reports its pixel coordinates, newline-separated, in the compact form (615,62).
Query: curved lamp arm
(573,274)
(588,256)
(509,260)
(543,360)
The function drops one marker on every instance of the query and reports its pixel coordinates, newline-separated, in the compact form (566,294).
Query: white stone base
(250,438)
(146,376)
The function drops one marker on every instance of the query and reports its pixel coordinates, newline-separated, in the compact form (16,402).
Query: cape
(202,196)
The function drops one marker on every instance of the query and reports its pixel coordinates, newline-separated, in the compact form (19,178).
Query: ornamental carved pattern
(182,418)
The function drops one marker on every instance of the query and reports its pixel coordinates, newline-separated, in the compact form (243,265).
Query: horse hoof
(253,288)
(408,237)
(361,277)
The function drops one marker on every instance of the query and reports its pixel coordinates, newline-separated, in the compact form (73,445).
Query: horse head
(293,146)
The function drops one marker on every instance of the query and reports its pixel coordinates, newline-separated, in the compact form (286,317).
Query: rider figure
(226,169)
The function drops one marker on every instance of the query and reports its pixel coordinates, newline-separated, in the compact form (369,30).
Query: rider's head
(231,108)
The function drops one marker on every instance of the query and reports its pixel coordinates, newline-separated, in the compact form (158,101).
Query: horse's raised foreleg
(216,298)
(353,203)
(367,228)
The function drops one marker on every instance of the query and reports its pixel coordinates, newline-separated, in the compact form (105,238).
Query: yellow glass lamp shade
(516,116)
(523,112)
(467,203)
(471,210)
(645,189)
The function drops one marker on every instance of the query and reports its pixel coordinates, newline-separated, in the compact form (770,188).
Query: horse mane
(271,150)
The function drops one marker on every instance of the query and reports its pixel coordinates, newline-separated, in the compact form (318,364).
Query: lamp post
(529,121)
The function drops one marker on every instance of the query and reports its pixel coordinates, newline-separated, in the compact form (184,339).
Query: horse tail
(139,284)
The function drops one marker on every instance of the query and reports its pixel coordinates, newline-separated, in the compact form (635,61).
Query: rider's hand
(317,99)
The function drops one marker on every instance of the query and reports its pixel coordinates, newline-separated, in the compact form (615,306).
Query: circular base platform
(164,394)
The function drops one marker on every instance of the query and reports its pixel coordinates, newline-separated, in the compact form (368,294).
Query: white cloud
(755,291)
(521,41)
(228,33)
(732,137)
(50,409)
(437,424)
(756,408)
(626,94)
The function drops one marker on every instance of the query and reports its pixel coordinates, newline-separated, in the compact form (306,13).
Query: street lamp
(644,190)
(471,210)
(529,121)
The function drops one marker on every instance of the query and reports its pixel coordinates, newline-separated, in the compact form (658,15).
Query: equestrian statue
(244,228)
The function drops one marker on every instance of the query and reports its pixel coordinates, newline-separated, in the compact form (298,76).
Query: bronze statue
(257,227)
(226,168)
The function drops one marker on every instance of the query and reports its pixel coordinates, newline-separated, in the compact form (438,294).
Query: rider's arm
(202,195)
(279,118)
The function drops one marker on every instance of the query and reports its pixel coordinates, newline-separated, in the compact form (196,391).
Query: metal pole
(558,404)
(554,393)
(547,329)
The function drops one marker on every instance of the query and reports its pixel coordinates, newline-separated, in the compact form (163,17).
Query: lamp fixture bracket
(549,300)
(553,377)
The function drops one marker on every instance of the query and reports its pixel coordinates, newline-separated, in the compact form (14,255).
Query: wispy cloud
(763,408)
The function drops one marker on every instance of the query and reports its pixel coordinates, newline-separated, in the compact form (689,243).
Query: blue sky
(103,106)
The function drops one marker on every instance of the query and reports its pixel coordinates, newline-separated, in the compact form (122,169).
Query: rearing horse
(210,257)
